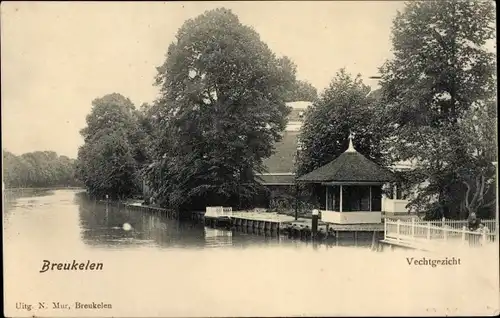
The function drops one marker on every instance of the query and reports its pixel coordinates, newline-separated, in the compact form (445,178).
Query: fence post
(385,228)
(483,236)
(428,230)
(463,234)
(445,233)
(398,222)
(413,228)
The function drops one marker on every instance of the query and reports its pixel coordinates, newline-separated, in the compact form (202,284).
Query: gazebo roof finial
(351,147)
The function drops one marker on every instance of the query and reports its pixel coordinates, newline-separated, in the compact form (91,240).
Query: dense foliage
(38,169)
(221,109)
(297,90)
(439,91)
(346,107)
(114,149)
(302,91)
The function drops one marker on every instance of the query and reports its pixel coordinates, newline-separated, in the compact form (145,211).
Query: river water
(157,267)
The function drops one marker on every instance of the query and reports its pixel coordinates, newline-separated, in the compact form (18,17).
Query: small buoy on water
(127,227)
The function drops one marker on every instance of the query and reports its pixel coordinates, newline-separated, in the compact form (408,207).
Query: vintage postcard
(249,159)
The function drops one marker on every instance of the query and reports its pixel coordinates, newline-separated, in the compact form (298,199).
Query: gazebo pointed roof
(350,166)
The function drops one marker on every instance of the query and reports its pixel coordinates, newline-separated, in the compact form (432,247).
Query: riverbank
(43,188)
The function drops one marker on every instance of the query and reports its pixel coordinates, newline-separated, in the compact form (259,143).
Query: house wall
(394,206)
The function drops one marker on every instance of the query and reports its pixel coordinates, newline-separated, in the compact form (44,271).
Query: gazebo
(352,185)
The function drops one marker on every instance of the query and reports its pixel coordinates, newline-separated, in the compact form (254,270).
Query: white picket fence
(418,234)
(218,211)
(458,224)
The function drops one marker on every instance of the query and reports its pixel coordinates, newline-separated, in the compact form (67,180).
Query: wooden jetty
(269,221)
(225,216)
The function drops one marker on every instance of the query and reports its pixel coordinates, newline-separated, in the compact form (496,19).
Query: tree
(38,169)
(115,112)
(114,148)
(297,90)
(478,133)
(222,108)
(345,107)
(440,71)
(109,166)
(302,91)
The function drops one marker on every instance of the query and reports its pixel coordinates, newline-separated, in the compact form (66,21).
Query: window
(333,198)
(355,198)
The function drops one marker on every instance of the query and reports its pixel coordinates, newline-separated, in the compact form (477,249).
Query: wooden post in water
(373,241)
(314,223)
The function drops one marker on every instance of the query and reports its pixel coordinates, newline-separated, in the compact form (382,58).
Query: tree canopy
(114,149)
(222,108)
(297,90)
(441,78)
(38,169)
(345,107)
(302,91)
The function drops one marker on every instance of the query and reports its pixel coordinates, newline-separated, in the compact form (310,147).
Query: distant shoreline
(44,188)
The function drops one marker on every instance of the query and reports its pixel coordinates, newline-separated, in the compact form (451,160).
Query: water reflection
(13,198)
(217,237)
(110,227)
(103,225)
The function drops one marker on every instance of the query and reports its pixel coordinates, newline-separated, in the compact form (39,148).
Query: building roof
(280,166)
(283,159)
(350,166)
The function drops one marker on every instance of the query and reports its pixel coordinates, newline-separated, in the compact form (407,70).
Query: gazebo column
(340,198)
(370,198)
(326,200)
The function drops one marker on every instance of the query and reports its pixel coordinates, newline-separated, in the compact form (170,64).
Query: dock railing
(459,224)
(219,211)
(413,233)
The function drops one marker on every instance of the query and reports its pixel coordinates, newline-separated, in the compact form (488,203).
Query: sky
(59,56)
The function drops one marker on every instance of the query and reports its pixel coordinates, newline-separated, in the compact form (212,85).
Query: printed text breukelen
(74,266)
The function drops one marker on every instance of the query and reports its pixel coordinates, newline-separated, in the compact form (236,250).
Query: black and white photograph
(249,158)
